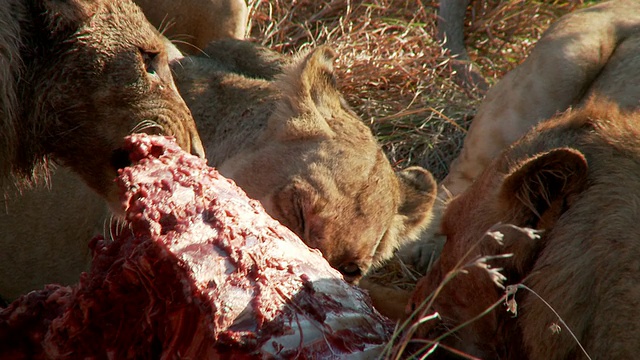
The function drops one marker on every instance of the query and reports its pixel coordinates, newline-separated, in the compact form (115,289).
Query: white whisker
(176,41)
(145,125)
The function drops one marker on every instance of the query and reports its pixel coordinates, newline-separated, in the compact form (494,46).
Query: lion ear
(174,55)
(68,15)
(318,80)
(542,187)
(310,97)
(418,191)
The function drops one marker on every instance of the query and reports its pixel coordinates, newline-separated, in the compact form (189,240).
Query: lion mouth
(120,158)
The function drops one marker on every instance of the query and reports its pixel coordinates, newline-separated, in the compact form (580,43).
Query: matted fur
(77,76)
(575,180)
(10,68)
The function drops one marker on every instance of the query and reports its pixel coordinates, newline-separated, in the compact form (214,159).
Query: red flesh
(204,273)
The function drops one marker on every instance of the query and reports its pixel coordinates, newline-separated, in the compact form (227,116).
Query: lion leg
(618,81)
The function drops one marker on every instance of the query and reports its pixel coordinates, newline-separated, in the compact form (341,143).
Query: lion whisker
(165,25)
(106,229)
(201,51)
(113,227)
(145,125)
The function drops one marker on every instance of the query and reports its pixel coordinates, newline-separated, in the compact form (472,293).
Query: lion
(279,127)
(590,51)
(294,144)
(564,199)
(192,24)
(77,77)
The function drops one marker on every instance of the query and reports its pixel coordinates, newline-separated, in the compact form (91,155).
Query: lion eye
(300,208)
(149,60)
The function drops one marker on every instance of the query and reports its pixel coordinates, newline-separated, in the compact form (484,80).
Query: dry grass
(394,73)
(404,345)
(392,70)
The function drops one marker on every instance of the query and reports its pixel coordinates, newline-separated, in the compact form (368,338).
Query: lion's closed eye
(296,207)
(299,206)
(296,216)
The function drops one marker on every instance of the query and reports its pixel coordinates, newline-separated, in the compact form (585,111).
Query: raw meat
(203,273)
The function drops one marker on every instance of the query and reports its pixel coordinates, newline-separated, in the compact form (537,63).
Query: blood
(201,271)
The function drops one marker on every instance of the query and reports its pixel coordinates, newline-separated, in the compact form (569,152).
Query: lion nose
(196,146)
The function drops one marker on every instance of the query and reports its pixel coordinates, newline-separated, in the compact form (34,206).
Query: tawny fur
(192,24)
(77,76)
(389,301)
(575,179)
(294,144)
(280,128)
(590,51)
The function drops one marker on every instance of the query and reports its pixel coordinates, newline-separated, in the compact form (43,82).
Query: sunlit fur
(575,179)
(192,24)
(279,127)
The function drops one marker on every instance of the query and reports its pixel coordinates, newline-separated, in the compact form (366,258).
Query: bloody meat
(201,272)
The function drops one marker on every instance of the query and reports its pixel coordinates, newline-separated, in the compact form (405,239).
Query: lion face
(339,198)
(318,169)
(109,78)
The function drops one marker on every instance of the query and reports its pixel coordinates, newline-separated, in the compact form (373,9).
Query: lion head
(317,168)
(84,75)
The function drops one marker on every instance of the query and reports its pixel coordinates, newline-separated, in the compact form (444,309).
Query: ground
(393,71)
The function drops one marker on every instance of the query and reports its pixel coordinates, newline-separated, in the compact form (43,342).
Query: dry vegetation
(395,75)
(392,70)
